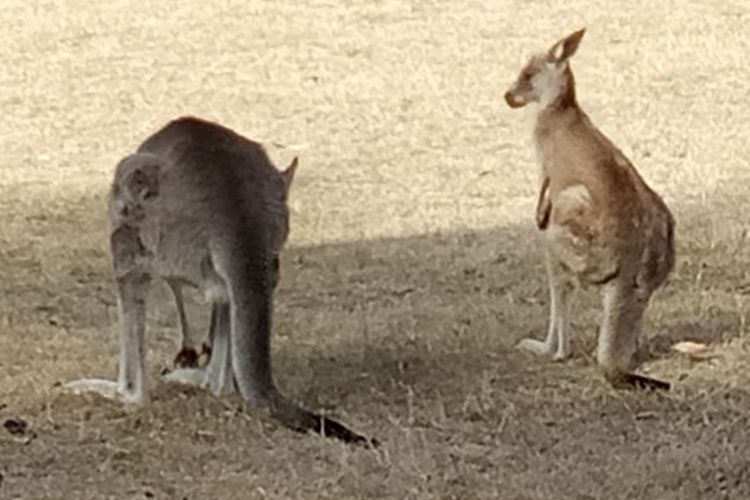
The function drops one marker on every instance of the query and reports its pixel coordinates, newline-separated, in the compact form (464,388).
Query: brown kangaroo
(602,224)
(200,205)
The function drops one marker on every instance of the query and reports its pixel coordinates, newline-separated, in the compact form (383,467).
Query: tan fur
(602,224)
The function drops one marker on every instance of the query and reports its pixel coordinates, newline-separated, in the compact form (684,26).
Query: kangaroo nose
(511,100)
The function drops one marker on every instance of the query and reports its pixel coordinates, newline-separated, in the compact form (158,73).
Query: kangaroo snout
(513,101)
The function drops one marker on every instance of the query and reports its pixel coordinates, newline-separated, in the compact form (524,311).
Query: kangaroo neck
(560,114)
(564,105)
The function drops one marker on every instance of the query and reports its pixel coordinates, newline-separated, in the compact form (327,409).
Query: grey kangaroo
(200,205)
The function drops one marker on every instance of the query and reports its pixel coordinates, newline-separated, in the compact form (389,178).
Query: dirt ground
(413,265)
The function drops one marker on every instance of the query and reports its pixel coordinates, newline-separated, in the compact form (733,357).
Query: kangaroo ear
(563,49)
(288,174)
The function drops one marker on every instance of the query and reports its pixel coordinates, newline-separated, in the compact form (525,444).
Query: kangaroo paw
(186,358)
(536,347)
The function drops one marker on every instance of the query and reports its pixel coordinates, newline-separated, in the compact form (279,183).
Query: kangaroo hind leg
(624,306)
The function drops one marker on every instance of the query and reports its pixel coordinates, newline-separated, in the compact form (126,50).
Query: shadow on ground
(407,339)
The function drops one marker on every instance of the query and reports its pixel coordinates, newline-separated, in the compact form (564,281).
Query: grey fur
(199,205)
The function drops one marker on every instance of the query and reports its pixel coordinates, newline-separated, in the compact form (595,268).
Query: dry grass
(412,267)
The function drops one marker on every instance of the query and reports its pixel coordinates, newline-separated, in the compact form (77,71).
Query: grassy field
(413,265)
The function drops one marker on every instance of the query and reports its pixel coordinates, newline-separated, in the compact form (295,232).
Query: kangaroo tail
(298,419)
(250,292)
(635,381)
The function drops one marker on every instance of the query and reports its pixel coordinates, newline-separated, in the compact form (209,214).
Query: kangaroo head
(546,76)
(135,186)
(137,179)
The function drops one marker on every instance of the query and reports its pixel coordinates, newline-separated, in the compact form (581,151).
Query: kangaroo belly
(572,207)
(578,239)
